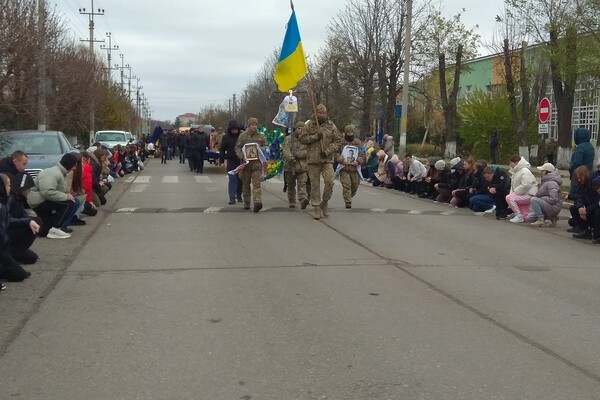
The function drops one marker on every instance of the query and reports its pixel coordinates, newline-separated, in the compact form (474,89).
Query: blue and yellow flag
(291,66)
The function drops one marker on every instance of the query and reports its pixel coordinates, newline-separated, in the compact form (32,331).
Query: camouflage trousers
(254,178)
(314,173)
(294,181)
(350,182)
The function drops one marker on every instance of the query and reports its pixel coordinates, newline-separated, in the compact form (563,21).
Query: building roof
(189,115)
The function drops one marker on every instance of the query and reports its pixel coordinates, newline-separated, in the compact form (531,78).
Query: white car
(113,138)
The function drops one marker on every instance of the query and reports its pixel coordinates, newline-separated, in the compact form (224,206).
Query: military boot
(257,207)
(317,213)
(324,209)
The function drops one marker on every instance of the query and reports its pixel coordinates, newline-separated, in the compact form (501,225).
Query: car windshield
(30,144)
(110,137)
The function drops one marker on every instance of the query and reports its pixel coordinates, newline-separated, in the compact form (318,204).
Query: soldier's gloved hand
(320,135)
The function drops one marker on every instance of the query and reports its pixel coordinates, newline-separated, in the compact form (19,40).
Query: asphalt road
(170,293)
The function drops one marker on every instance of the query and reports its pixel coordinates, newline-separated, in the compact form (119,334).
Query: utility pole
(91,40)
(138,99)
(123,67)
(109,50)
(405,83)
(234,106)
(42,66)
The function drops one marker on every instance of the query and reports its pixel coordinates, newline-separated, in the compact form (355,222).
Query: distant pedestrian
(582,156)
(323,141)
(252,172)
(227,155)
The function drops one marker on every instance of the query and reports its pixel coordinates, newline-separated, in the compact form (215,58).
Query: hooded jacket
(227,147)
(549,192)
(522,181)
(416,171)
(7,167)
(50,186)
(584,152)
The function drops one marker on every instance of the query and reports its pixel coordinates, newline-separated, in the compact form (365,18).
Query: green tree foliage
(479,115)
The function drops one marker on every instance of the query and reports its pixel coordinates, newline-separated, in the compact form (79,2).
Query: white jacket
(417,171)
(522,180)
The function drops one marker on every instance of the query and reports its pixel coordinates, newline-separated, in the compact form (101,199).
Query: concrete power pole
(109,50)
(42,66)
(91,40)
(405,83)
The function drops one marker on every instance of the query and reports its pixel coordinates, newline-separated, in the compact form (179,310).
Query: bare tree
(449,42)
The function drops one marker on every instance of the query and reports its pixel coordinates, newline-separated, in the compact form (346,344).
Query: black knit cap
(20,182)
(68,161)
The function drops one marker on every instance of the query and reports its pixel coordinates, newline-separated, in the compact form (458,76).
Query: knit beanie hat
(299,124)
(440,165)
(252,120)
(20,182)
(349,128)
(68,161)
(454,161)
(321,108)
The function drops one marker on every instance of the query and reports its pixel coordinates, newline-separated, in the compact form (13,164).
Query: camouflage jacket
(296,158)
(331,141)
(245,138)
(359,157)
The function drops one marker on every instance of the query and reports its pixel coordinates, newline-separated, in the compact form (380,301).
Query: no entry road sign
(544,110)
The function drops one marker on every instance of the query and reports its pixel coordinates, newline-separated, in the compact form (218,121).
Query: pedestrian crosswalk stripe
(126,210)
(130,179)
(211,210)
(203,179)
(138,187)
(170,179)
(142,179)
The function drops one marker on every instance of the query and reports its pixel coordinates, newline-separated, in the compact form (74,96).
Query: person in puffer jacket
(547,202)
(523,188)
(583,155)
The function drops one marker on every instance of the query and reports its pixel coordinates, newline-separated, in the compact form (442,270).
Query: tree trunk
(564,91)
(449,102)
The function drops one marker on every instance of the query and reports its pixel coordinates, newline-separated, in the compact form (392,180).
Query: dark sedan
(44,148)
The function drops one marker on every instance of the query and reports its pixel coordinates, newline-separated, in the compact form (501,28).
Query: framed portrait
(251,151)
(350,154)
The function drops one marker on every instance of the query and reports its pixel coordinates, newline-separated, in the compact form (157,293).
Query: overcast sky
(192,53)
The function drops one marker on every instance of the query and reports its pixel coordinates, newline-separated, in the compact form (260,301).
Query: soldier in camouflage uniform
(322,144)
(295,167)
(349,175)
(252,172)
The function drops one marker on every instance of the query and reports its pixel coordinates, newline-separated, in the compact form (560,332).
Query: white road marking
(138,187)
(142,179)
(212,210)
(415,212)
(130,179)
(126,210)
(202,179)
(379,210)
(170,179)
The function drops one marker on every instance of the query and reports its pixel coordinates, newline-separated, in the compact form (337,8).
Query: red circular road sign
(544,110)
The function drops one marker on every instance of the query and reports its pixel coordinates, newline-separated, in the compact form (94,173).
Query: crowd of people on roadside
(196,146)
(59,198)
(487,189)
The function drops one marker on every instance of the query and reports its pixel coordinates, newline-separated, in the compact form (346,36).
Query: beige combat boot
(324,209)
(317,213)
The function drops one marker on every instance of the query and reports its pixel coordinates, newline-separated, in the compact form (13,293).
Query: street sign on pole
(543,129)
(544,110)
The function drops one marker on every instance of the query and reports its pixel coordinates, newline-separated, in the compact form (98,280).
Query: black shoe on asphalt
(77,222)
(303,204)
(257,207)
(246,206)
(596,241)
(348,205)
(575,229)
(231,202)
(240,200)
(587,234)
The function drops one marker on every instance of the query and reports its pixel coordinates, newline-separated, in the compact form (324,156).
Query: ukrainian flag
(291,66)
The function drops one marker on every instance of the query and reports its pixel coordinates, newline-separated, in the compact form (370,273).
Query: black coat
(227,149)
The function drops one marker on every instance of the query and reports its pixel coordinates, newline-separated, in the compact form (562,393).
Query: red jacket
(87,181)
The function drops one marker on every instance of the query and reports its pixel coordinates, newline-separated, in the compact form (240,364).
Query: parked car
(44,148)
(112,138)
